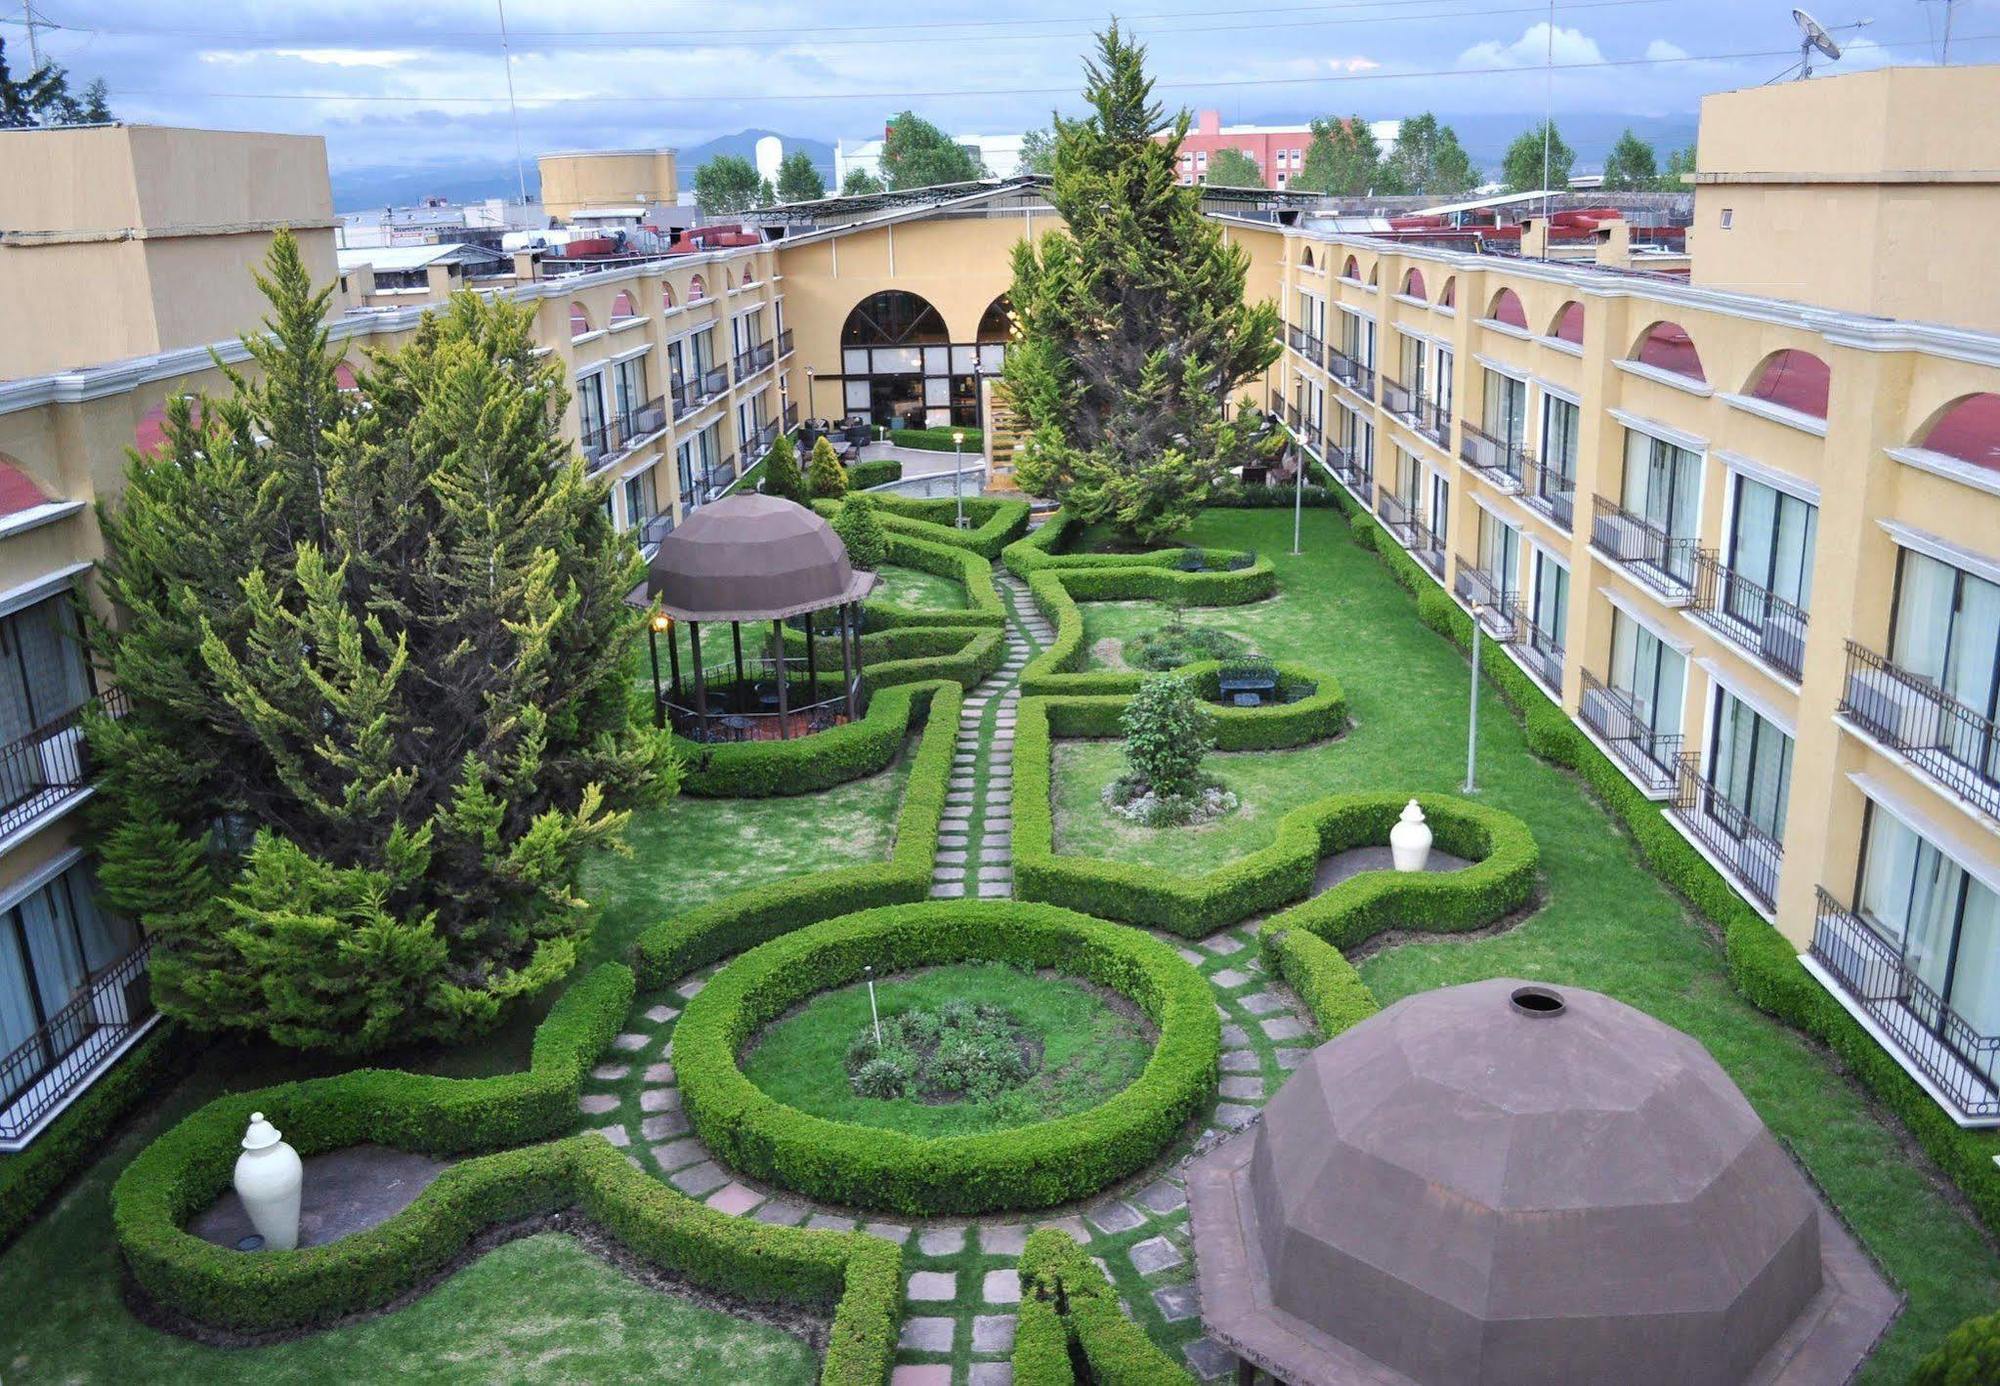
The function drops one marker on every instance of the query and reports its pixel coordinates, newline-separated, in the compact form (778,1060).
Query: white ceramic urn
(1410,839)
(268,1179)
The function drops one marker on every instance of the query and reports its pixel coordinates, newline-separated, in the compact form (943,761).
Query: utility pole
(35,48)
(507,57)
(1548,112)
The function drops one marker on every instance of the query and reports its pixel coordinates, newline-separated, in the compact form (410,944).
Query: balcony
(1548,491)
(1501,461)
(1539,650)
(1651,757)
(1305,344)
(1759,620)
(1434,421)
(1662,561)
(714,383)
(651,530)
(1350,471)
(1398,399)
(1340,366)
(44,769)
(620,434)
(1396,517)
(1913,717)
(1428,548)
(1492,604)
(61,1057)
(686,395)
(718,477)
(1725,831)
(784,344)
(1954,1060)
(791,415)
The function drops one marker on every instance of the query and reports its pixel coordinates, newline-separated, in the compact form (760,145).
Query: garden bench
(1248,688)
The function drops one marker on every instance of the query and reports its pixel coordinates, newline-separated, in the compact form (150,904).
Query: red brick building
(1280,150)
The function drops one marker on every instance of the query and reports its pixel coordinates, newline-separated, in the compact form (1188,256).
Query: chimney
(1208,123)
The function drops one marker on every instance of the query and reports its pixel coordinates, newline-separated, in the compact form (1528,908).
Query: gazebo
(754,558)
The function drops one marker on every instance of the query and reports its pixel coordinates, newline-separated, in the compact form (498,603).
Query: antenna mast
(507,57)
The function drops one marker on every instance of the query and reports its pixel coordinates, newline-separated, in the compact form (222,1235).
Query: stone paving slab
(941,1241)
(933,1285)
(1001,1287)
(1153,1255)
(927,1333)
(993,1333)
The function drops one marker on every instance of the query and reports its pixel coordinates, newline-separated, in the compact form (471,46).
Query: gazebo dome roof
(753,557)
(1499,1183)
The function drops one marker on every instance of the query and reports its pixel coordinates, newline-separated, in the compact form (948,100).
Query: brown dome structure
(752,557)
(1501,1183)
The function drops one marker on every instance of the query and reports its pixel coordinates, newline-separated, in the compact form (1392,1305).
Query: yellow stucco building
(1744,528)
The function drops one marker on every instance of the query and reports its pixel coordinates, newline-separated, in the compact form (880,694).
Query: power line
(968,93)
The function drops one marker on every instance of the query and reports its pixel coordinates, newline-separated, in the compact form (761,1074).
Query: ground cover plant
(1076,1046)
(1171,646)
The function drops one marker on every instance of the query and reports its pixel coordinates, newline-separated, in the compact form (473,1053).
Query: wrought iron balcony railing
(1364,379)
(1340,365)
(1494,603)
(1395,516)
(1500,460)
(620,433)
(719,475)
(791,415)
(714,383)
(1663,561)
(1653,757)
(1958,1058)
(1539,650)
(1951,742)
(1434,421)
(1349,470)
(61,1055)
(686,395)
(1398,399)
(1750,614)
(1305,343)
(1428,548)
(52,762)
(1550,491)
(1714,820)
(651,530)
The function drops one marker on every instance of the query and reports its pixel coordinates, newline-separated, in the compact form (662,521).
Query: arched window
(749,274)
(1413,283)
(623,307)
(1794,379)
(893,318)
(1352,269)
(1506,307)
(18,490)
(1568,326)
(579,321)
(1449,298)
(1308,262)
(1375,275)
(1967,429)
(728,279)
(697,290)
(1667,346)
(666,297)
(343,378)
(999,323)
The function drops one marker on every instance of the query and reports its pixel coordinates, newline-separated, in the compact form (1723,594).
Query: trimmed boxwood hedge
(938,439)
(806,764)
(710,932)
(1032,1166)
(1970,1356)
(1065,1300)
(190,1166)
(1763,963)
(996,523)
(1321,976)
(961,565)
(876,471)
(1314,717)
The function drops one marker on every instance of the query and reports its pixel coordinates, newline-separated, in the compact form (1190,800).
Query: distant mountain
(403,185)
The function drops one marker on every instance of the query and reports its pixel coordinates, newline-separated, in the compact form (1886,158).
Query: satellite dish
(1813,35)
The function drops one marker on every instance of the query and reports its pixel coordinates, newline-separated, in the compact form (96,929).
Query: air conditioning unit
(1886,704)
(62,757)
(1784,641)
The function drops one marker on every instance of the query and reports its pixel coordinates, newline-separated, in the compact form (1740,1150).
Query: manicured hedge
(1763,963)
(76,1138)
(961,565)
(805,764)
(1067,1287)
(1032,1166)
(938,439)
(996,523)
(915,654)
(1320,975)
(741,920)
(878,471)
(1093,702)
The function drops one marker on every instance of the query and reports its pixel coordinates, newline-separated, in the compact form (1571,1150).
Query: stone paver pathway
(961,1286)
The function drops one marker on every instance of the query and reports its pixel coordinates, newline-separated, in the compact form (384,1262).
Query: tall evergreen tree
(374,649)
(860,183)
(1427,158)
(726,184)
(42,97)
(798,180)
(1531,165)
(1134,328)
(1232,168)
(1630,164)
(1679,162)
(916,154)
(1343,159)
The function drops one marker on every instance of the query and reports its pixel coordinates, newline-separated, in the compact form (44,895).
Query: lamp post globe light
(657,625)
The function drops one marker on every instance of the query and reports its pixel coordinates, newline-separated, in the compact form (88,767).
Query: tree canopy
(798,180)
(1232,168)
(42,97)
(1134,327)
(1524,170)
(726,184)
(1630,164)
(860,183)
(916,154)
(375,647)
(1343,158)
(1038,151)
(1427,158)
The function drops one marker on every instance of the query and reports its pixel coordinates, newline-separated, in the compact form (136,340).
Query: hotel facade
(1750,543)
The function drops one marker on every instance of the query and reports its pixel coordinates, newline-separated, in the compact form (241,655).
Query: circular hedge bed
(1032,1166)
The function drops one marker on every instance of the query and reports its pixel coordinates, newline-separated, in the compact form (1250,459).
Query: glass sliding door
(1499,552)
(1947,630)
(1651,674)
(1551,598)
(1751,764)
(1506,418)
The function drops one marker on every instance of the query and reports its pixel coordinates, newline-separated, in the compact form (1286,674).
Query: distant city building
(999,154)
(1279,150)
(577,181)
(437,220)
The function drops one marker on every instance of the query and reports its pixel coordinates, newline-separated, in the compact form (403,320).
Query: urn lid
(1413,812)
(262,1135)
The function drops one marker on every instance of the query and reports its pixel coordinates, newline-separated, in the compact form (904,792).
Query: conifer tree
(374,649)
(782,476)
(1134,325)
(826,479)
(861,532)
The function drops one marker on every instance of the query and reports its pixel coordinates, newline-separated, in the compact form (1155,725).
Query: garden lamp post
(657,625)
(1298,498)
(1472,721)
(869,971)
(958,473)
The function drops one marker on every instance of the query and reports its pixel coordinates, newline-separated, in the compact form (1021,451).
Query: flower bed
(1024,1167)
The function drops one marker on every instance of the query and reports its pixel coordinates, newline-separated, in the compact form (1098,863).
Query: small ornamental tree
(861,532)
(826,479)
(374,646)
(1134,328)
(1167,733)
(1343,158)
(782,476)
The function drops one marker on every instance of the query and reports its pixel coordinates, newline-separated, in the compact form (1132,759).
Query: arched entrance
(895,354)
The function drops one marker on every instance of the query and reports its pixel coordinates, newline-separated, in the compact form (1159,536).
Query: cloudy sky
(394,83)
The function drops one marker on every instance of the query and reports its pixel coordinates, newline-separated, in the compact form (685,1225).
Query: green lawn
(914,590)
(1090,1050)
(1607,923)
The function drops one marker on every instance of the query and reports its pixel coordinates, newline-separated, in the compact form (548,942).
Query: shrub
(806,764)
(1031,1166)
(996,523)
(1167,733)
(879,471)
(781,475)
(1969,1357)
(826,479)
(1172,646)
(938,439)
(861,532)
(1321,976)
(1057,1276)
(961,565)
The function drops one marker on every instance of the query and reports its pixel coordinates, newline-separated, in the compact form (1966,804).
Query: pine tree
(1630,164)
(798,180)
(1343,158)
(374,650)
(782,476)
(861,532)
(826,479)
(1528,160)
(1134,324)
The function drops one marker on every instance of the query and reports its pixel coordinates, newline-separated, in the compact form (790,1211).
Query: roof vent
(1537,1002)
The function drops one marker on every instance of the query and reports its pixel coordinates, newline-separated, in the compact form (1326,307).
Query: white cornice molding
(1655,428)
(1807,491)
(1673,380)
(1776,413)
